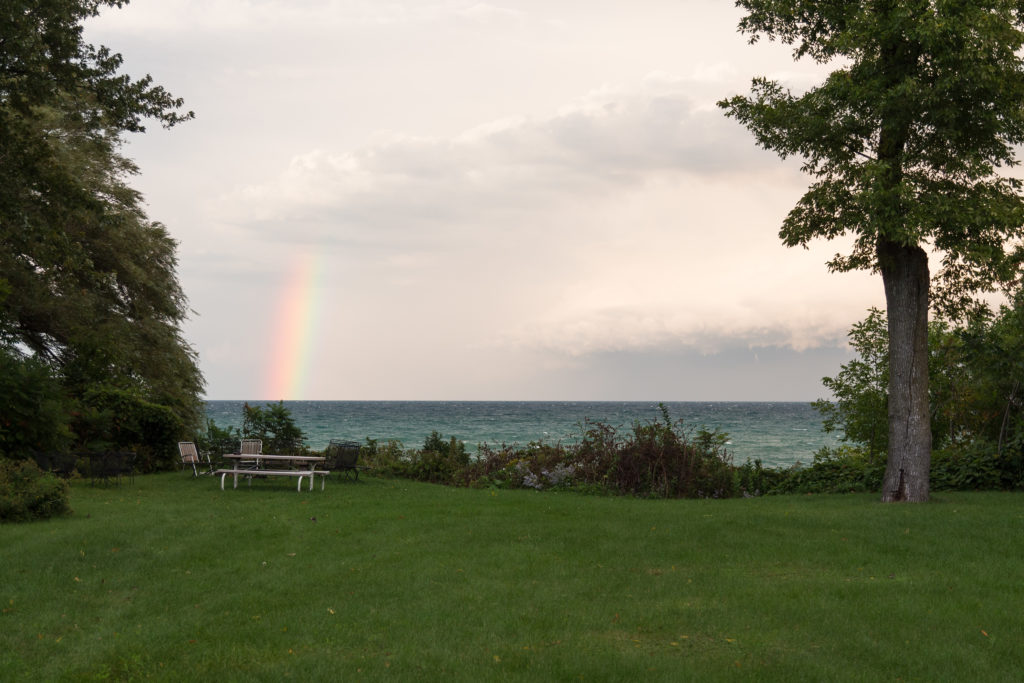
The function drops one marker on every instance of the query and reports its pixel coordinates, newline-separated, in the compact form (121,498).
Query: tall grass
(174,579)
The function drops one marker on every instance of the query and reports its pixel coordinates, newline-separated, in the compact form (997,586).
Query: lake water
(779,434)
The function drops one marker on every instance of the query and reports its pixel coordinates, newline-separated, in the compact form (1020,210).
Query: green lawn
(171,578)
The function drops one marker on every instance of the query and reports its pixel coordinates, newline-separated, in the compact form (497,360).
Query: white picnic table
(251,464)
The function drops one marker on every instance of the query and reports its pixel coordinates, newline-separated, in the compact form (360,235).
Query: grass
(173,579)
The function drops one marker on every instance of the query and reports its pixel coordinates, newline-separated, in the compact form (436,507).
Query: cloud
(308,16)
(631,219)
(608,141)
(707,326)
(484,12)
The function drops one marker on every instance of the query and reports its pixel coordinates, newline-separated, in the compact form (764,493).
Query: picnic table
(268,465)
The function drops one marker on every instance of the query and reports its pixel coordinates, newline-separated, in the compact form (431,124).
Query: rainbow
(295,325)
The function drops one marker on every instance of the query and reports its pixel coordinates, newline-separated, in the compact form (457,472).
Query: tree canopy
(88,283)
(909,140)
(945,78)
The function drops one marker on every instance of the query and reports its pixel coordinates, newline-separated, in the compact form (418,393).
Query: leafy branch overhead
(951,90)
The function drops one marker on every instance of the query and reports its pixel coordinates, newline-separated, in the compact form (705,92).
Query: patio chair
(343,457)
(61,464)
(191,457)
(107,466)
(250,447)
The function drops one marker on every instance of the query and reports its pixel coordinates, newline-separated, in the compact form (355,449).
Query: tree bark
(906,280)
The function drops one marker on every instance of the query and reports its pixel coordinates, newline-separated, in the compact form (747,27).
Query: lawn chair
(190,457)
(343,457)
(250,447)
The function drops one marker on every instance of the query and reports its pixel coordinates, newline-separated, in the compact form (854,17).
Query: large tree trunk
(906,279)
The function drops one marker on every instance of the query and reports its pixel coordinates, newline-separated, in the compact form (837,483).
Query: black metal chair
(111,465)
(343,457)
(62,464)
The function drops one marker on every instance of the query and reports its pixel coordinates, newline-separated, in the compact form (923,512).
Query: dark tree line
(90,304)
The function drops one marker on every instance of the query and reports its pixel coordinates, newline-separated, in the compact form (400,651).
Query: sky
(459,200)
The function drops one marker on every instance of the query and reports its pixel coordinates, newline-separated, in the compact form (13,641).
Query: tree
(992,349)
(88,281)
(860,389)
(906,140)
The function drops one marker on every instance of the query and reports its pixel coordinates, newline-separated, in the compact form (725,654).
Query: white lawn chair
(191,457)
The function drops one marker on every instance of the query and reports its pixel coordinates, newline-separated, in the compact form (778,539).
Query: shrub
(27,493)
(216,440)
(842,470)
(537,465)
(384,459)
(663,460)
(846,469)
(275,426)
(438,462)
(118,419)
(658,459)
(753,479)
(34,409)
(977,466)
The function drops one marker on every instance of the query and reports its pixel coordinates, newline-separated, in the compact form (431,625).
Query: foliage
(27,493)
(977,406)
(970,469)
(88,281)
(860,410)
(275,426)
(659,459)
(115,419)
(754,479)
(384,459)
(993,350)
(216,441)
(943,84)
(34,411)
(848,469)
(437,462)
(844,470)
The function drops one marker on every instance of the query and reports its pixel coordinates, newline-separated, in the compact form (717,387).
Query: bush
(216,441)
(438,462)
(117,419)
(658,460)
(976,467)
(841,470)
(386,460)
(847,469)
(753,479)
(27,493)
(34,409)
(537,466)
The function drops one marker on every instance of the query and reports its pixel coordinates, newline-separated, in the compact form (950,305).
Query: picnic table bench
(254,465)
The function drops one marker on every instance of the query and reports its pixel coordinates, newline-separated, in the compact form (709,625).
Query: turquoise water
(780,434)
